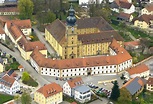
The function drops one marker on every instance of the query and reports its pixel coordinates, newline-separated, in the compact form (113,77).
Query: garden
(4,98)
(28,80)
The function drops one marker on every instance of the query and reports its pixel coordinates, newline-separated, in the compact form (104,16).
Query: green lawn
(137,33)
(4,98)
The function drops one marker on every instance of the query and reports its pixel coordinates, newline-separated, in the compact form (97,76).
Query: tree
(25,8)
(26,98)
(25,76)
(125,96)
(17,99)
(115,92)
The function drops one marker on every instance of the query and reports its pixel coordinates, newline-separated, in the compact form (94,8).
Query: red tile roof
(20,23)
(50,89)
(122,55)
(75,82)
(132,43)
(9,9)
(30,46)
(7,80)
(150,81)
(20,66)
(149,7)
(144,17)
(138,69)
(1,31)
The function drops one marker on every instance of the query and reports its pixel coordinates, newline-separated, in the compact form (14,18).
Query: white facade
(130,10)
(2,36)
(10,35)
(143,74)
(10,90)
(145,11)
(82,97)
(26,31)
(67,89)
(95,70)
(149,87)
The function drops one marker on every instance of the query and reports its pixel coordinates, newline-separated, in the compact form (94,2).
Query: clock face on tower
(72,29)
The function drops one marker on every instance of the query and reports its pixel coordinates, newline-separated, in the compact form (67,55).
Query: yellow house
(26,48)
(49,94)
(83,37)
(144,21)
(1,67)
(147,10)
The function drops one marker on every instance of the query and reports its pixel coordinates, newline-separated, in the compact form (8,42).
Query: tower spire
(71,19)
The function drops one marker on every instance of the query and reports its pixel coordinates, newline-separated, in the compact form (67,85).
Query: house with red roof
(144,21)
(141,70)
(75,88)
(148,9)
(149,84)
(8,84)
(122,5)
(49,94)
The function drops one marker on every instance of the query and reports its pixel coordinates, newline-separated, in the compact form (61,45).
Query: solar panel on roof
(10,72)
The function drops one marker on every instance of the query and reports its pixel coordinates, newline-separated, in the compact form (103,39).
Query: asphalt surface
(40,35)
(25,64)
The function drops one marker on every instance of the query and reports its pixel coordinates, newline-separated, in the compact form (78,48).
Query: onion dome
(71,19)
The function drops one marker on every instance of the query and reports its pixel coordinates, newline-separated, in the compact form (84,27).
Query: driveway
(40,35)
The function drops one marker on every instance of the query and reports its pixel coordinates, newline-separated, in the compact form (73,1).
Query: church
(84,37)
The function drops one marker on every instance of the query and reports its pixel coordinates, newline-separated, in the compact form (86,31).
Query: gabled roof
(149,7)
(123,4)
(58,28)
(20,23)
(138,69)
(50,89)
(30,46)
(145,18)
(9,9)
(124,15)
(100,37)
(7,80)
(150,81)
(134,85)
(75,82)
(122,55)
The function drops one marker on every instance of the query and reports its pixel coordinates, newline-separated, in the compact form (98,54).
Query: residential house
(144,21)
(140,70)
(135,85)
(8,2)
(75,88)
(18,31)
(8,83)
(1,65)
(149,84)
(132,45)
(148,9)
(21,68)
(2,34)
(9,11)
(116,61)
(82,93)
(122,6)
(49,94)
(125,17)
(70,84)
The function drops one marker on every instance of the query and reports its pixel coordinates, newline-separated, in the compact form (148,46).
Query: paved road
(40,35)
(26,65)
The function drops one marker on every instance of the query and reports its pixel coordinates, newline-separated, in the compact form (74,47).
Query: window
(72,42)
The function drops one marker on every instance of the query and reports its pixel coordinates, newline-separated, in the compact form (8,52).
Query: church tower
(71,34)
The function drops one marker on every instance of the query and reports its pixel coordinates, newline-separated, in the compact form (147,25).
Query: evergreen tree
(115,92)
